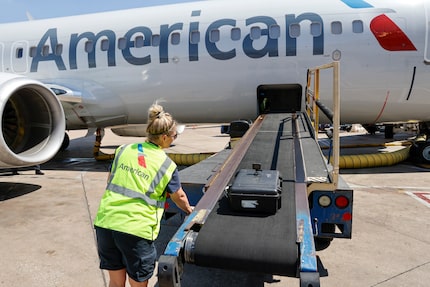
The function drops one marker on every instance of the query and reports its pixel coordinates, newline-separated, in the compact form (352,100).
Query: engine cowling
(33,122)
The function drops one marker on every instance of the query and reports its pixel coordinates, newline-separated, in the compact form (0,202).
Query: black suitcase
(257,191)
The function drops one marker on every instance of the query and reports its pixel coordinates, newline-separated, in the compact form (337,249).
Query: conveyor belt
(264,244)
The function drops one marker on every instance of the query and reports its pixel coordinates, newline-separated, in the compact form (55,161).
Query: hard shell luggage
(257,191)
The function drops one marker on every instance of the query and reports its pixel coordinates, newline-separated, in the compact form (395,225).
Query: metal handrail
(313,105)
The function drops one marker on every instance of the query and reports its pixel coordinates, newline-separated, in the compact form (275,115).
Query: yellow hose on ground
(345,161)
(403,143)
(373,160)
(189,159)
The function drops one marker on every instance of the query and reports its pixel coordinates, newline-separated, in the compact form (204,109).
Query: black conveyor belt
(259,243)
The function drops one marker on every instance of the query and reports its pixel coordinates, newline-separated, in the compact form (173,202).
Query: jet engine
(33,123)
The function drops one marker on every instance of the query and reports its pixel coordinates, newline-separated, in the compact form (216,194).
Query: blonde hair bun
(155,111)
(159,122)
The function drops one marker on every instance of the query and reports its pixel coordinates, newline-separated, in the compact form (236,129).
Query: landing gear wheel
(424,152)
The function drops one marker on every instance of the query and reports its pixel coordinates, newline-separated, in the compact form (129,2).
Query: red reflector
(342,201)
(347,216)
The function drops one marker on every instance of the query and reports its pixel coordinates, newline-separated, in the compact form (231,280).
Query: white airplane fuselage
(206,59)
(206,80)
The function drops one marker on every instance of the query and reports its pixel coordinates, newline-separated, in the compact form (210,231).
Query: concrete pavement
(47,237)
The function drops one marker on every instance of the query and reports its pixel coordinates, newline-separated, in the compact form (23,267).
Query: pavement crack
(91,222)
(400,274)
(87,205)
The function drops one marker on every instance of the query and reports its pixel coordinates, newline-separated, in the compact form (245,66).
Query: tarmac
(47,236)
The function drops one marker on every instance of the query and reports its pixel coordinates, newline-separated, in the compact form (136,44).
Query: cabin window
(175,38)
(155,40)
(33,51)
(274,31)
(255,33)
(139,42)
(214,36)
(235,34)
(89,46)
(194,37)
(294,30)
(316,29)
(357,26)
(122,43)
(336,27)
(104,45)
(45,50)
(19,53)
(59,49)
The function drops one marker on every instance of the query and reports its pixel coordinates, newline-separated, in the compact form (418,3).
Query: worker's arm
(181,200)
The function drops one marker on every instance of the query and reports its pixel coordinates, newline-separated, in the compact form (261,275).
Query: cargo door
(283,98)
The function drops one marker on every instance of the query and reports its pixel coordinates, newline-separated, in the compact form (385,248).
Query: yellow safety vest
(134,199)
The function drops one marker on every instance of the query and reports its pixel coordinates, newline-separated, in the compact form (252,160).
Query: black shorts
(119,250)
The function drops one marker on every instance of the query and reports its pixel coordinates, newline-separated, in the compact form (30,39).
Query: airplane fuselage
(206,59)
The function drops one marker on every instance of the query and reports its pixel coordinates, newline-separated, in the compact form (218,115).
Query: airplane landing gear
(420,151)
(99,155)
(424,152)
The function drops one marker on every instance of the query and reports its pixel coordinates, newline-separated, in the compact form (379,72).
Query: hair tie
(159,114)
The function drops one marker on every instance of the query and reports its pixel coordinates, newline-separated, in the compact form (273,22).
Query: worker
(130,211)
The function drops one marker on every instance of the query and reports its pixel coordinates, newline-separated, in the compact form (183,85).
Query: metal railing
(314,106)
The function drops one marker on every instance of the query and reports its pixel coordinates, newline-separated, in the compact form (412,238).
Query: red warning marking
(423,197)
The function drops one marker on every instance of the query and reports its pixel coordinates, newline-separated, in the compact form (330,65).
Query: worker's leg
(117,249)
(110,257)
(139,258)
(117,278)
(137,284)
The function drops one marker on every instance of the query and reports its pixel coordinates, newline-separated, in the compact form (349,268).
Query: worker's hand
(192,209)
(181,200)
